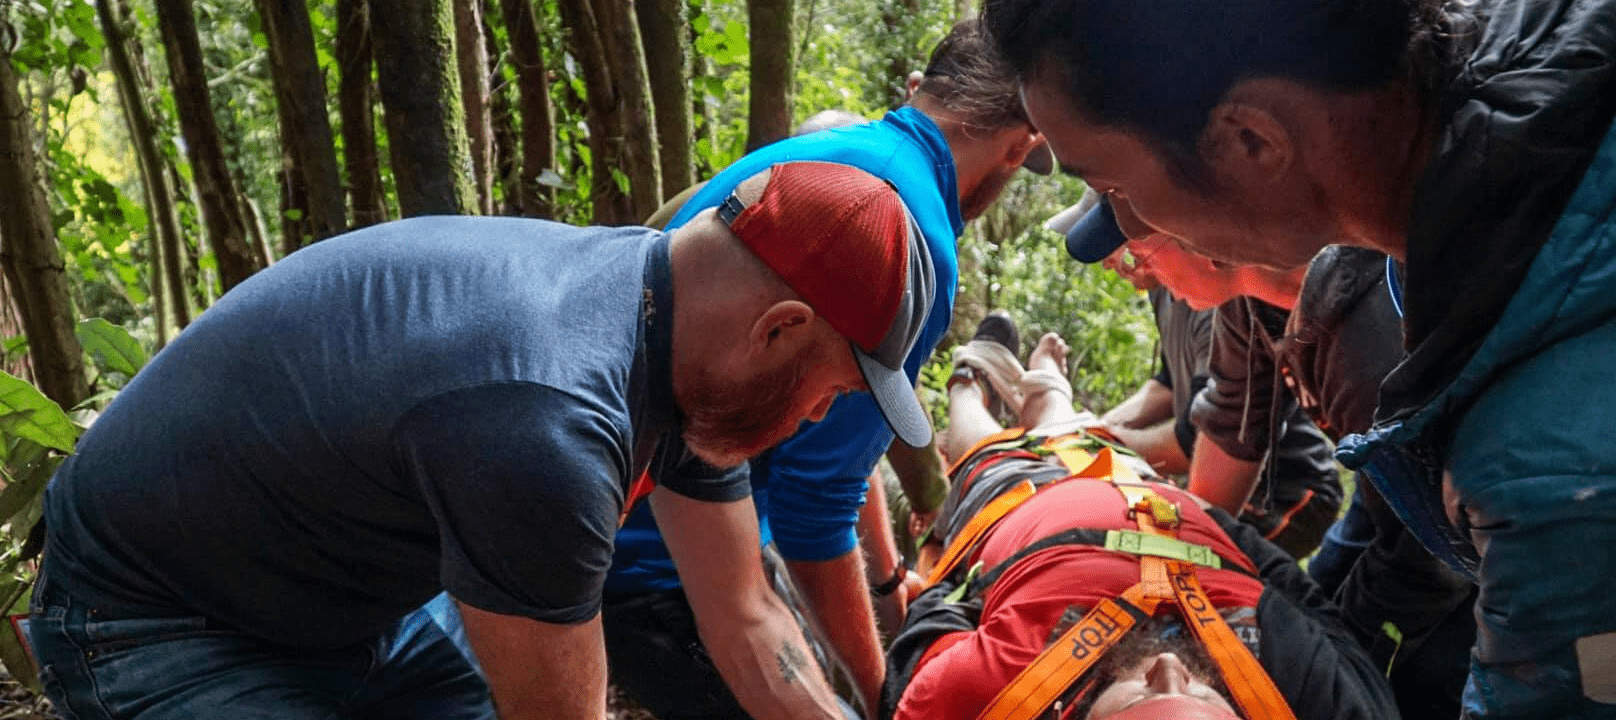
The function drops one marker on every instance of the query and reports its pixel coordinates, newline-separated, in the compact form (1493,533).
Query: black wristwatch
(899,572)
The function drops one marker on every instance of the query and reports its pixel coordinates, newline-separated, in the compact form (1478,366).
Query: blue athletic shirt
(436,403)
(809,489)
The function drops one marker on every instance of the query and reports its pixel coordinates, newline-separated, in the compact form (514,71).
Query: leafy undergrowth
(19,703)
(619,707)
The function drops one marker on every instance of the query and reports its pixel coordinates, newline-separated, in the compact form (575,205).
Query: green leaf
(112,347)
(26,485)
(27,413)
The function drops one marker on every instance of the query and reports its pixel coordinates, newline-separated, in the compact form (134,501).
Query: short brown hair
(969,76)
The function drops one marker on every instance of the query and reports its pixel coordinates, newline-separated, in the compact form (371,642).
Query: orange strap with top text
(1064,661)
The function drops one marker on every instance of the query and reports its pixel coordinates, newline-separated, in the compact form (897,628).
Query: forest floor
(19,703)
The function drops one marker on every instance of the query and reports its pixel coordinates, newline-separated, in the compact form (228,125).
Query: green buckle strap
(958,594)
(1138,543)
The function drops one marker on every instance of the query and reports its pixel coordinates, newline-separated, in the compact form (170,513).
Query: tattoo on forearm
(791,661)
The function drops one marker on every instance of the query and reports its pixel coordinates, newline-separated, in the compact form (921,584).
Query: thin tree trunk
(167,280)
(769,108)
(356,95)
(667,60)
(701,111)
(420,88)
(622,134)
(215,188)
(533,99)
(502,118)
(898,16)
(471,56)
(315,186)
(35,276)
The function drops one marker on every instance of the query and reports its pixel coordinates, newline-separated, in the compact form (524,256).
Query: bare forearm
(1158,445)
(839,598)
(1149,405)
(768,665)
(920,472)
(540,670)
(750,634)
(1221,479)
(881,555)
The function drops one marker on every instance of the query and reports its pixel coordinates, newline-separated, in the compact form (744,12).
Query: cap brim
(1040,160)
(1096,235)
(895,395)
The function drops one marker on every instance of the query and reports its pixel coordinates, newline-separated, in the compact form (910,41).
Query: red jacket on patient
(963,671)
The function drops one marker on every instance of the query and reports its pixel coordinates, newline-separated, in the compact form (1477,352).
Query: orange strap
(1079,463)
(1066,659)
(998,437)
(1253,690)
(977,527)
(637,490)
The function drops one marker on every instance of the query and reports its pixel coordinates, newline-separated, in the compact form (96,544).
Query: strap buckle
(1161,511)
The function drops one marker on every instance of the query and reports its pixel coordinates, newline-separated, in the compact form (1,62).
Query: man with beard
(1043,606)
(1283,483)
(1473,143)
(949,153)
(464,404)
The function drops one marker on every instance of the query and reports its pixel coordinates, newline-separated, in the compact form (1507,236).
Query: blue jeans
(98,665)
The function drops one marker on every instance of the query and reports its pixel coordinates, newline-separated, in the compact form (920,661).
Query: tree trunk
(667,58)
(34,273)
(622,133)
(420,87)
(356,95)
(533,99)
(701,111)
(502,118)
(769,109)
(899,19)
(471,56)
(168,291)
(215,188)
(314,185)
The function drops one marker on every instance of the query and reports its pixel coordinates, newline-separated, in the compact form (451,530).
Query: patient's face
(1161,687)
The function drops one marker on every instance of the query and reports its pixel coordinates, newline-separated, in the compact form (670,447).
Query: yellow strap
(977,527)
(1073,457)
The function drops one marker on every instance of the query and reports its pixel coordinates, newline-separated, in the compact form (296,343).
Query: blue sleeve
(817,479)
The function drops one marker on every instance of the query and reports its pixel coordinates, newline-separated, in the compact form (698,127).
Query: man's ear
(784,326)
(1248,141)
(1020,142)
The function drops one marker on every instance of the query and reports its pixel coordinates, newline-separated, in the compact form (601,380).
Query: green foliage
(31,427)
(1008,261)
(113,348)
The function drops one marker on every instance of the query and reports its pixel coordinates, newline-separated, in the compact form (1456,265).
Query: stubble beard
(729,421)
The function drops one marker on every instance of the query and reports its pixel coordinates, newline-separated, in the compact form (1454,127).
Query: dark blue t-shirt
(434,403)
